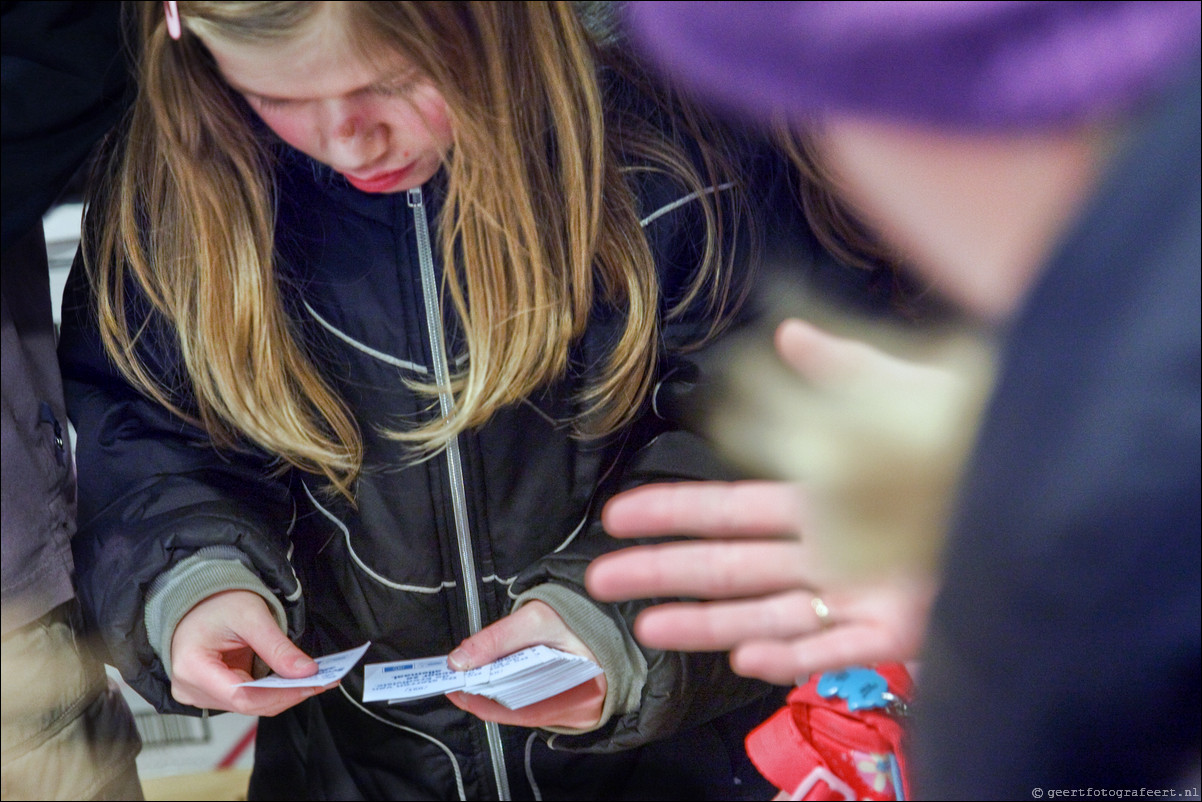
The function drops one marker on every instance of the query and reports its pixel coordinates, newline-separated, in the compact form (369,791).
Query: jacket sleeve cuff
(624,665)
(176,592)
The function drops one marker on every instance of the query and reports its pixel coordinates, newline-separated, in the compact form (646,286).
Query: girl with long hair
(376,299)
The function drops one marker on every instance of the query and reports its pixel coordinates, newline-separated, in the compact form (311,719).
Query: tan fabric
(67,732)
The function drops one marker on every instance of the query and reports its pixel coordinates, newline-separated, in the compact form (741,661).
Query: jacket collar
(382,208)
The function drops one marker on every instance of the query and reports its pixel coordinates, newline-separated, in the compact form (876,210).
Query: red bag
(839,737)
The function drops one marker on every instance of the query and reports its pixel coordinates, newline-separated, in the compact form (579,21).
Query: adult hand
(764,577)
(878,440)
(533,624)
(214,647)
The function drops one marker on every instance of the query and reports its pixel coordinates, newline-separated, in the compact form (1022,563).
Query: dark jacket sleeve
(152,491)
(681,690)
(64,80)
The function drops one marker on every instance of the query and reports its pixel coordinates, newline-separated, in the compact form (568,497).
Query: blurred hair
(834,223)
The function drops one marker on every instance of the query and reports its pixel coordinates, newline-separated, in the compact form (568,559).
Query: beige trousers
(67,732)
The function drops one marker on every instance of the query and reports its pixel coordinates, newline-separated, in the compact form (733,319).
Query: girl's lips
(380,182)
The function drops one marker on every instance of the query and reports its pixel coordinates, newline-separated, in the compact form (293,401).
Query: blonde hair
(540,223)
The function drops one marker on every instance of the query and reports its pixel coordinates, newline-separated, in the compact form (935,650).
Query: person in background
(1038,163)
(67,732)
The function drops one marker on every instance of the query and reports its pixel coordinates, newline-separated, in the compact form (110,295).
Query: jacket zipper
(467,560)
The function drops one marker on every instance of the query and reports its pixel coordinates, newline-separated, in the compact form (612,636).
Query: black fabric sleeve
(682,690)
(65,80)
(152,491)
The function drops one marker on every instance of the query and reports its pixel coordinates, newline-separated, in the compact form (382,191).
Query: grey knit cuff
(624,665)
(193,580)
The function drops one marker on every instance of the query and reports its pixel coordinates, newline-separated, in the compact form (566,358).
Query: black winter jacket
(510,506)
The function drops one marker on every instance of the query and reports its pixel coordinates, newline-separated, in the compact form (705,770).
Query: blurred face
(385,130)
(975,214)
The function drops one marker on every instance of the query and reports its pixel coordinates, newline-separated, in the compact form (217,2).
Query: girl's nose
(352,138)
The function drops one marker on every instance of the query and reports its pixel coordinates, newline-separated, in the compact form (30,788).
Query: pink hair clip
(171,10)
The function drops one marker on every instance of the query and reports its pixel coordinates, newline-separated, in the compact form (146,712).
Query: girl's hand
(213,650)
(535,623)
(762,576)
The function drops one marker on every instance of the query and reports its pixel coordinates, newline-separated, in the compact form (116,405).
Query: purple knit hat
(970,65)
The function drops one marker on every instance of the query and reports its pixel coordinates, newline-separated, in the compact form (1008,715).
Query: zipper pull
(415,198)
